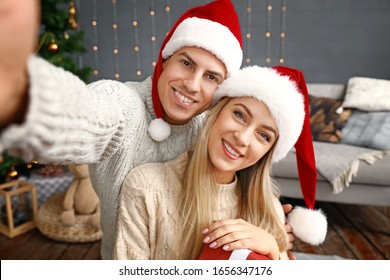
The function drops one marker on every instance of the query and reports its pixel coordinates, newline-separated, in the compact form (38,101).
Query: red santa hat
(214,27)
(284,92)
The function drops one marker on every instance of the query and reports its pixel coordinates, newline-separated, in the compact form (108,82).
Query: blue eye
(264,136)
(213,78)
(239,115)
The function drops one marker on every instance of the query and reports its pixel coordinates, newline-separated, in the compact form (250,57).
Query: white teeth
(183,98)
(230,149)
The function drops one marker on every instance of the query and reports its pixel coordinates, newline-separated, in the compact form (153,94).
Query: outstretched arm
(19,22)
(59,118)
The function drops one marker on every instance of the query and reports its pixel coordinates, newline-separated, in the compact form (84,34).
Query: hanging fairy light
(115,31)
(168,16)
(136,47)
(95,48)
(248,32)
(268,32)
(153,37)
(80,59)
(282,31)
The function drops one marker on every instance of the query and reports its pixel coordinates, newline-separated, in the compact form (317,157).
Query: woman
(220,193)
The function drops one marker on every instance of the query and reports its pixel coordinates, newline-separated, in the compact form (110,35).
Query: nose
(193,83)
(242,137)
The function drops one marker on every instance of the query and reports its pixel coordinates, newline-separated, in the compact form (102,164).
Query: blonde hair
(256,191)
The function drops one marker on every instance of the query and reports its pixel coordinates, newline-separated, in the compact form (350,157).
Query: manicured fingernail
(206,230)
(226,247)
(206,239)
(212,245)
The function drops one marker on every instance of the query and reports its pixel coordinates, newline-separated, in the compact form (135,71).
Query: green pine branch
(56,28)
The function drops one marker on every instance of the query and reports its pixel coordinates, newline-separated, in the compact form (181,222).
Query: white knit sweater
(148,220)
(103,124)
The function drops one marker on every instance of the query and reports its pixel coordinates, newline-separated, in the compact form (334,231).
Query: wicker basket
(50,224)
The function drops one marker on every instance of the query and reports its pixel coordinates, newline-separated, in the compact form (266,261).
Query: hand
(232,234)
(290,235)
(19,26)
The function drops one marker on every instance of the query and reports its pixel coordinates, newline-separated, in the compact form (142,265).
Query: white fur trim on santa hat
(281,96)
(308,225)
(209,35)
(159,130)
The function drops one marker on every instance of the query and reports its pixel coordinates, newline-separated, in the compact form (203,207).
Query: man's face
(188,82)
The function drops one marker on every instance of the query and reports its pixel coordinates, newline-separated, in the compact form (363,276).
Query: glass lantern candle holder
(20,209)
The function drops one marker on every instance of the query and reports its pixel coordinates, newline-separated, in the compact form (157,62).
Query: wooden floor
(355,232)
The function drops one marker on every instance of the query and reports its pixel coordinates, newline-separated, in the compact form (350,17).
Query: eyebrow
(270,128)
(214,73)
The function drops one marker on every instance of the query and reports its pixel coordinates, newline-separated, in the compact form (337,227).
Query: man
(108,124)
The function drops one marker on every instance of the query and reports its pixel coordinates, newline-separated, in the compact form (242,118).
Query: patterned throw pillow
(327,118)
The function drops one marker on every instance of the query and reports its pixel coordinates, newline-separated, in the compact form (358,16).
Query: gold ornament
(72,9)
(73,23)
(13,174)
(72,16)
(53,47)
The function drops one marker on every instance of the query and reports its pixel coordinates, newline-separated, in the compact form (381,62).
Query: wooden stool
(19,188)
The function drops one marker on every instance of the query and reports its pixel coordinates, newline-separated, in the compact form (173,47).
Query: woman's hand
(19,26)
(232,234)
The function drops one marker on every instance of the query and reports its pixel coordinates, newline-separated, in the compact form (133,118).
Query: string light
(95,40)
(153,36)
(268,32)
(282,31)
(79,57)
(115,31)
(136,47)
(157,14)
(249,32)
(168,14)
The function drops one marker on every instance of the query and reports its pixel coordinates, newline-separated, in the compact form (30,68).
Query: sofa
(369,182)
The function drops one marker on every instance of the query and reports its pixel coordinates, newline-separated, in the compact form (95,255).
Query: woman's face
(242,134)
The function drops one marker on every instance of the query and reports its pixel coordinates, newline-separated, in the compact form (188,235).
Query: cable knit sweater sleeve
(68,121)
(142,204)
(133,241)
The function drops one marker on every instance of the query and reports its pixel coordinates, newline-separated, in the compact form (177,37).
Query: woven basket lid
(50,224)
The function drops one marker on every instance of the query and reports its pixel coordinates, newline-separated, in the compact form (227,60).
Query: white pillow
(367,94)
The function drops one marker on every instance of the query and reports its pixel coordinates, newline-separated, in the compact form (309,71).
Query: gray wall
(329,40)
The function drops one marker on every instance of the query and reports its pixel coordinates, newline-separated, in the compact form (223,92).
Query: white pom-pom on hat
(159,130)
(308,225)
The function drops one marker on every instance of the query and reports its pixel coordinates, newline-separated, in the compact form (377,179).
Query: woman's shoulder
(155,177)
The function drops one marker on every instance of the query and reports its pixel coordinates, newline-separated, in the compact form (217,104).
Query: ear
(164,63)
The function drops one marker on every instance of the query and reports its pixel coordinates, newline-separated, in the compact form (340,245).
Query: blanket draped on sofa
(339,163)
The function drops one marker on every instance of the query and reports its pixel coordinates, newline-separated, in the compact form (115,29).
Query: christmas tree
(60,42)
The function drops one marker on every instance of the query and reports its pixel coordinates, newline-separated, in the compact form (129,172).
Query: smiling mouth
(183,98)
(230,149)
